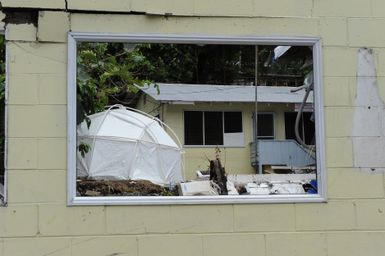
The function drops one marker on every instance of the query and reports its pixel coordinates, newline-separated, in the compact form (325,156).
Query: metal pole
(256,113)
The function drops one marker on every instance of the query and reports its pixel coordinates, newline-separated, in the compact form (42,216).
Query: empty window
(265,126)
(233,122)
(212,128)
(205,90)
(305,128)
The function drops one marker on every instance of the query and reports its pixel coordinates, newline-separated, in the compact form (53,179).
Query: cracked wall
(37,221)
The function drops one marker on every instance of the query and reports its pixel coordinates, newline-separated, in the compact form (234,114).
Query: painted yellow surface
(37,221)
(53,31)
(41,4)
(21,32)
(235,159)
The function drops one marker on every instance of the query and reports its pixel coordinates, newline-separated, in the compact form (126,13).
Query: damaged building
(140,127)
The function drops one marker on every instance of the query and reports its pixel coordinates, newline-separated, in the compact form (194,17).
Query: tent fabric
(127,144)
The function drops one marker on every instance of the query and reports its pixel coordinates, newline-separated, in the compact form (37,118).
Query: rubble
(86,187)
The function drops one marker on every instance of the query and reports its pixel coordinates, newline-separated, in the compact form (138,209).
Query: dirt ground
(122,188)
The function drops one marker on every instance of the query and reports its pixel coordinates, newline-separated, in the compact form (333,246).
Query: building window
(265,124)
(213,128)
(203,88)
(306,126)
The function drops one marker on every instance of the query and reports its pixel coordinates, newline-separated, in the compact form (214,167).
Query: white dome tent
(126,143)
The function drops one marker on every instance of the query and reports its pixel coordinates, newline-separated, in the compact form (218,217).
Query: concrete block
(286,8)
(59,220)
(37,121)
(338,91)
(334,215)
(104,245)
(356,243)
(2,16)
(100,5)
(381,87)
(340,61)
(138,219)
(174,7)
(202,219)
(53,26)
(22,153)
(370,214)
(37,246)
(195,25)
(21,32)
(49,4)
(18,220)
(233,244)
(32,186)
(368,121)
(296,244)
(333,31)
(37,58)
(363,32)
(52,153)
(338,121)
(353,183)
(339,152)
(372,157)
(380,64)
(53,89)
(32,89)
(341,8)
(224,8)
(259,217)
(170,245)
(23,89)
(378,8)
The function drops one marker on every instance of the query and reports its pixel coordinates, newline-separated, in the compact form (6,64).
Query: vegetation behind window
(119,73)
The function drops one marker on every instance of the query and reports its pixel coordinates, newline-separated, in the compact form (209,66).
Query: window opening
(211,127)
(233,122)
(306,127)
(265,125)
(149,78)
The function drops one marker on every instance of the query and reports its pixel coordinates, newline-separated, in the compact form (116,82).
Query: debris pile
(87,187)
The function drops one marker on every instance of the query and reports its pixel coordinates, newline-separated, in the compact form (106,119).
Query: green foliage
(296,63)
(201,64)
(84,148)
(104,72)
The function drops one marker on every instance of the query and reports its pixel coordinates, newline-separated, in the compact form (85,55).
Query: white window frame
(203,128)
(314,42)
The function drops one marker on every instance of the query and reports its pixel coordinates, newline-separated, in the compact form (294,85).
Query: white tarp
(125,144)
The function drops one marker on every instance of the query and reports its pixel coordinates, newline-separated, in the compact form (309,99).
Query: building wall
(235,159)
(37,221)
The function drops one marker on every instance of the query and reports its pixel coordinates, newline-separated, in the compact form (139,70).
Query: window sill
(191,200)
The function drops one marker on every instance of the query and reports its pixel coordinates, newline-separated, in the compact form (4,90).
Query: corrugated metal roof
(224,93)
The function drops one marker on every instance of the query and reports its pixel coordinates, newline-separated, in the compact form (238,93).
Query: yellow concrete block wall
(37,220)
